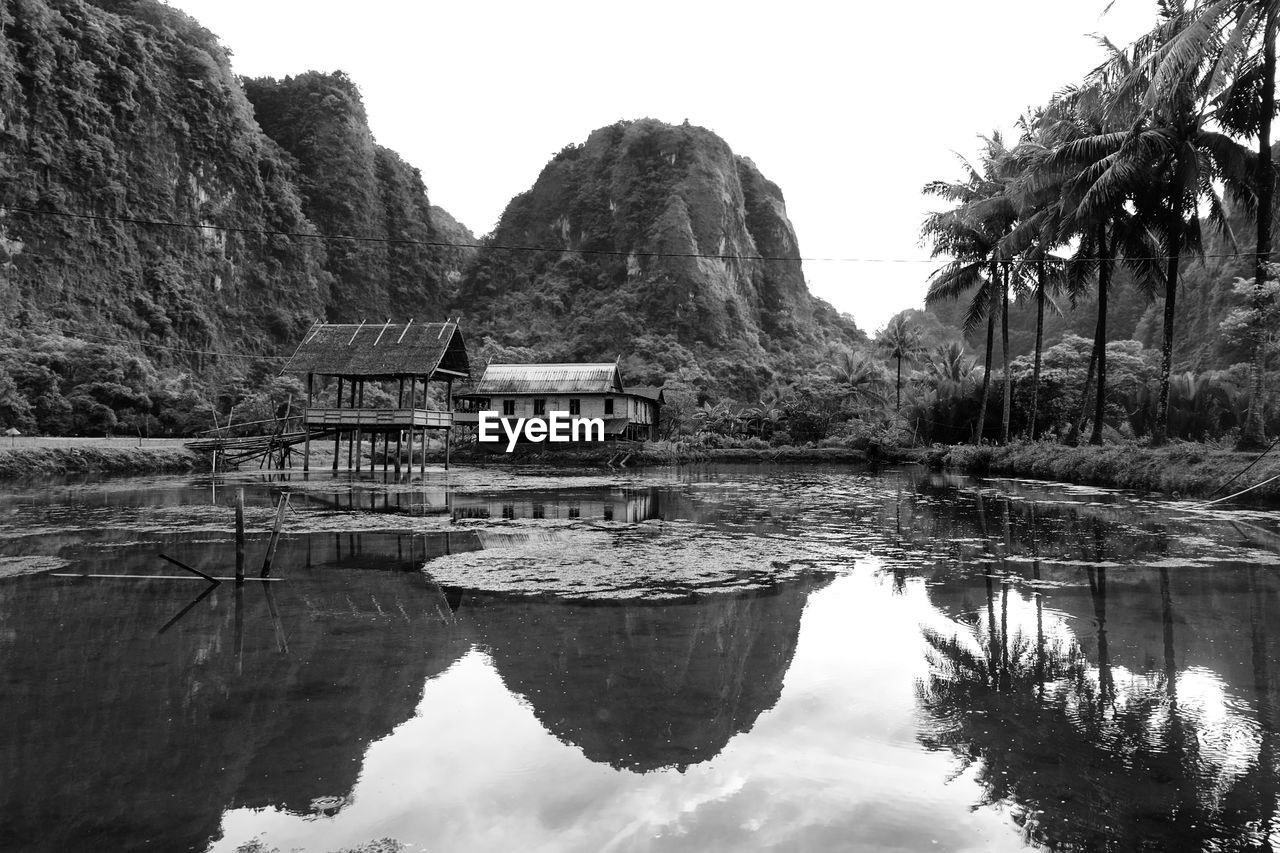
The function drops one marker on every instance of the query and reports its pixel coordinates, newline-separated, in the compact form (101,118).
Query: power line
(442,244)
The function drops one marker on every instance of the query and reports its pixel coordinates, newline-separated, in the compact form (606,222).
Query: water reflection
(1133,711)
(777,658)
(269,696)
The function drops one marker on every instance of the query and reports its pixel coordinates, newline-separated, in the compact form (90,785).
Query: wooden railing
(378,419)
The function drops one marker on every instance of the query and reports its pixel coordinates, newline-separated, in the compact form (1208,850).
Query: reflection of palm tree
(1082,769)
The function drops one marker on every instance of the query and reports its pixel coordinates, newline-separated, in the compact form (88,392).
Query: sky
(849,108)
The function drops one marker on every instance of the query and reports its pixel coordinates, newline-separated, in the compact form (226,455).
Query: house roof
(548,379)
(648,392)
(380,350)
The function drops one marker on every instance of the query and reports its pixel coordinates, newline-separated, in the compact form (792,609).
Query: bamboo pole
(183,565)
(275,534)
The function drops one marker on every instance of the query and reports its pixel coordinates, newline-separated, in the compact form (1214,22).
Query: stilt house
(582,390)
(411,355)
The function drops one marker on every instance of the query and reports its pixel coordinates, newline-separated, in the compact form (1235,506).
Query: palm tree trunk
(897,402)
(1078,426)
(1100,336)
(1174,241)
(1253,436)
(1004,341)
(1035,372)
(986,368)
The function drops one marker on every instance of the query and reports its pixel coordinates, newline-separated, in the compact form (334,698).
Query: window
(608,405)
(508,407)
(575,407)
(539,408)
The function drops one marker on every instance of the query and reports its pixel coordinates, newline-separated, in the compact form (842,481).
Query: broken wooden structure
(408,356)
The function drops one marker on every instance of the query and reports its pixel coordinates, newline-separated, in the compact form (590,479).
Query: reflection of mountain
(228,706)
(645,686)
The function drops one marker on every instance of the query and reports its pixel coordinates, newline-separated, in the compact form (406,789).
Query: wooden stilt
(399,432)
(337,435)
(359,433)
(240,536)
(448,433)
(354,435)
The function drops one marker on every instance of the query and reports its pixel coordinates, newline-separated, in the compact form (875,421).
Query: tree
(1257,323)
(900,341)
(863,377)
(1162,167)
(970,233)
(1235,40)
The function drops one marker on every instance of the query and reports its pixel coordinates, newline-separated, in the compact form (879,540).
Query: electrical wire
(484,246)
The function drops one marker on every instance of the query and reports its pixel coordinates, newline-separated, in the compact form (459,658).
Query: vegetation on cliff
(662,246)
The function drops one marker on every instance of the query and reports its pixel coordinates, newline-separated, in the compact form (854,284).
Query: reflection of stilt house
(398,354)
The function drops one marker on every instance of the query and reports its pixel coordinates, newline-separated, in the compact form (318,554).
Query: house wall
(637,410)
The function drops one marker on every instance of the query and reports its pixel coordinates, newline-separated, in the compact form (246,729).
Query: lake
(693,659)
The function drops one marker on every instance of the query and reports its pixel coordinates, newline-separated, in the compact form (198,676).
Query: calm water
(719,659)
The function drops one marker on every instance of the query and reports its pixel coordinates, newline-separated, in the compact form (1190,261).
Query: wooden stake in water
(240,536)
(275,534)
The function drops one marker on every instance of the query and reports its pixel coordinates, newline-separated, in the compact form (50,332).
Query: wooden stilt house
(406,357)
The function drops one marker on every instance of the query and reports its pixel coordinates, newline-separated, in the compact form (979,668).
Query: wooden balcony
(375,420)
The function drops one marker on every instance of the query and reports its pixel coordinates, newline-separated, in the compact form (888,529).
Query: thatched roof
(548,379)
(384,350)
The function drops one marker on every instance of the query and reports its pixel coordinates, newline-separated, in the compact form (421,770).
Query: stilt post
(240,536)
(337,435)
(306,445)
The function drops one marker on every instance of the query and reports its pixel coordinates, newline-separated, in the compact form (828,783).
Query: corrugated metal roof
(380,349)
(549,379)
(648,392)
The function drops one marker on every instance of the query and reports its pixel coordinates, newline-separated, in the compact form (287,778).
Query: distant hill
(650,233)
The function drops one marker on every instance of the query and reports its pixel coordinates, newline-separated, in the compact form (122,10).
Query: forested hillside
(116,115)
(654,238)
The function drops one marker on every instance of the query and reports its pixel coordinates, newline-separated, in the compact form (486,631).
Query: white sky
(850,108)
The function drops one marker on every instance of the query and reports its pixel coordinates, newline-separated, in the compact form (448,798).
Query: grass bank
(32,459)
(1178,470)
(660,453)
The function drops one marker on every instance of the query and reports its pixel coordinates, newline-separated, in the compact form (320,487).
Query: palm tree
(863,377)
(900,340)
(1160,168)
(948,363)
(970,233)
(1040,227)
(1232,44)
